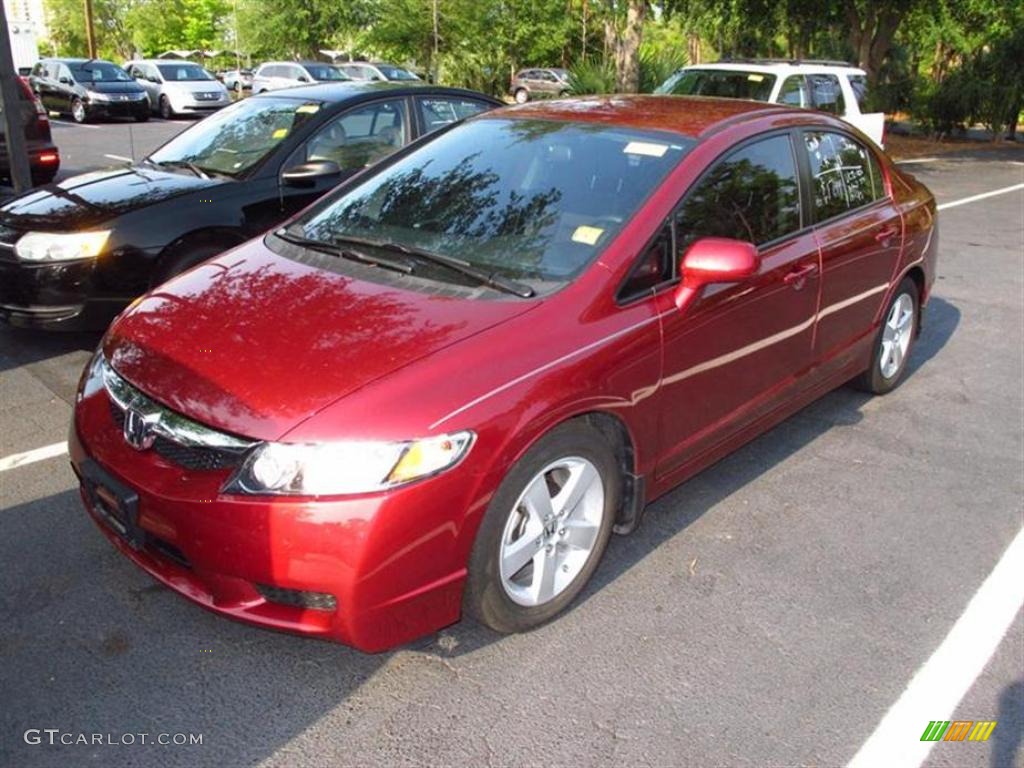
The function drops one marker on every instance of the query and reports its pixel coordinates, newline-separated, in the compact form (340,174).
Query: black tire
(184,258)
(78,111)
(238,87)
(485,598)
(873,379)
(165,108)
(142,117)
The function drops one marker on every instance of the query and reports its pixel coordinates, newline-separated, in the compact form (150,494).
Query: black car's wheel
(894,342)
(185,257)
(545,530)
(238,87)
(78,111)
(521,96)
(166,112)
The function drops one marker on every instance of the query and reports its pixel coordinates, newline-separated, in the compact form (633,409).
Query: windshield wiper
(456,265)
(345,253)
(186,164)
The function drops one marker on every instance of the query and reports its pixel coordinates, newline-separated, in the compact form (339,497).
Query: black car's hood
(92,198)
(112,86)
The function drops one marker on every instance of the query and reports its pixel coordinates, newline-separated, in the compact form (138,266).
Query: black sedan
(73,254)
(87,89)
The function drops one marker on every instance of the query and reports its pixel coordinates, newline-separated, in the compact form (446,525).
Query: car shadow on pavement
(20,347)
(90,644)
(1009,730)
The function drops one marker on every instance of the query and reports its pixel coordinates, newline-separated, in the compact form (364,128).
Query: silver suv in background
(274,75)
(539,83)
(376,70)
(178,87)
(830,86)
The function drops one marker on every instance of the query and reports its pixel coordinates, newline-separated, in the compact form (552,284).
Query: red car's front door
(739,349)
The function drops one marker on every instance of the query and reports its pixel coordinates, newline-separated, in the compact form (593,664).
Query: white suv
(831,86)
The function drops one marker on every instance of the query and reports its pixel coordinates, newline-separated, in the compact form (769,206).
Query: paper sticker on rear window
(280,133)
(587,235)
(308,109)
(645,148)
(755,78)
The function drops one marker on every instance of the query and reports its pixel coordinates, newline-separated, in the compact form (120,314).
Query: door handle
(798,274)
(886,234)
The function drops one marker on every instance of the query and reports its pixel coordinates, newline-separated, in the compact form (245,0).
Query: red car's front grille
(189,457)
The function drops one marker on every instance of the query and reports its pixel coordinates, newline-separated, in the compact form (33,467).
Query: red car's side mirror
(715,260)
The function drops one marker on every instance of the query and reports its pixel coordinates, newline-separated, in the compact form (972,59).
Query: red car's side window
(845,174)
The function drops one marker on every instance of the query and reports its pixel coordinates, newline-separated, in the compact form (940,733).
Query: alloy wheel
(551,531)
(896,336)
(78,111)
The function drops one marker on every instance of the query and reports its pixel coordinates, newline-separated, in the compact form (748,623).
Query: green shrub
(591,76)
(656,66)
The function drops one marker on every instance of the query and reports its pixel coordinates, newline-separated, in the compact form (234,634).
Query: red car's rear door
(741,348)
(860,234)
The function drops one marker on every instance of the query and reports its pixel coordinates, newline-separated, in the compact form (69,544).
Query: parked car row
(405,356)
(87,89)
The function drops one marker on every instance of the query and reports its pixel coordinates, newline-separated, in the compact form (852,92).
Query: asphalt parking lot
(771,611)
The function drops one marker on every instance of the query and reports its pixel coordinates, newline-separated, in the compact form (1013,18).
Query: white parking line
(915,160)
(120,157)
(65,124)
(982,196)
(30,457)
(939,685)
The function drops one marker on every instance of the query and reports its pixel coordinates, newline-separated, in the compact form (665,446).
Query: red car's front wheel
(545,530)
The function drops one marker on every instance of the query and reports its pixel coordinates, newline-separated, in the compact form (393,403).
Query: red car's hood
(253,343)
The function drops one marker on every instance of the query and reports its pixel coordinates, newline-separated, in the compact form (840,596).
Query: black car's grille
(187,456)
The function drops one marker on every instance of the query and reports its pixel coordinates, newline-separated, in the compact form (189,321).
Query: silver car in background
(178,87)
(274,75)
(376,70)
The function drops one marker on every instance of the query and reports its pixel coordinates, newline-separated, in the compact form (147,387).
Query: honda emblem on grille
(138,429)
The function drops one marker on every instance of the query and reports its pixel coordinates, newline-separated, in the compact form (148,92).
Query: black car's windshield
(238,137)
(325,72)
(183,72)
(529,199)
(98,71)
(396,73)
(729,84)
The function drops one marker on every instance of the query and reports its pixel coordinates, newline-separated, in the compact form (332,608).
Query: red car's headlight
(330,469)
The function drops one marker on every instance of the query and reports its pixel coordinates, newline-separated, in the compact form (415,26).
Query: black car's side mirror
(307,174)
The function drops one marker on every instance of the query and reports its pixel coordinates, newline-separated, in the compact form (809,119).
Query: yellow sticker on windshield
(587,235)
(280,133)
(308,109)
(755,78)
(645,148)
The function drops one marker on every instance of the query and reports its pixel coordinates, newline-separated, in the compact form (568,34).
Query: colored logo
(958,730)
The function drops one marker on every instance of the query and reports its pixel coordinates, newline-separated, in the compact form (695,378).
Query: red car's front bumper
(392,562)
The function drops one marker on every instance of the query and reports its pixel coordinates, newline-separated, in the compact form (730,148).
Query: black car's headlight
(57,246)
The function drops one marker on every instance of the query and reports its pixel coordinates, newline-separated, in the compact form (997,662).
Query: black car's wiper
(345,253)
(457,265)
(186,164)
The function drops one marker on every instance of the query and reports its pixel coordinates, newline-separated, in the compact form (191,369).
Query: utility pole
(90,33)
(10,105)
(435,62)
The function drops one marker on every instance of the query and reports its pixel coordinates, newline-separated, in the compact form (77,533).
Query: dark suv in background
(43,157)
(88,88)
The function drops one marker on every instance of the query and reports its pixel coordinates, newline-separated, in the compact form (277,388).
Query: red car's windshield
(531,199)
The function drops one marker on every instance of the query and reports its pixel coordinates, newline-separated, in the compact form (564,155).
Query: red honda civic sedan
(440,389)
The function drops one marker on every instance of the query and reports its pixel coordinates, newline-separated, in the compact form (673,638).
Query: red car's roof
(687,115)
